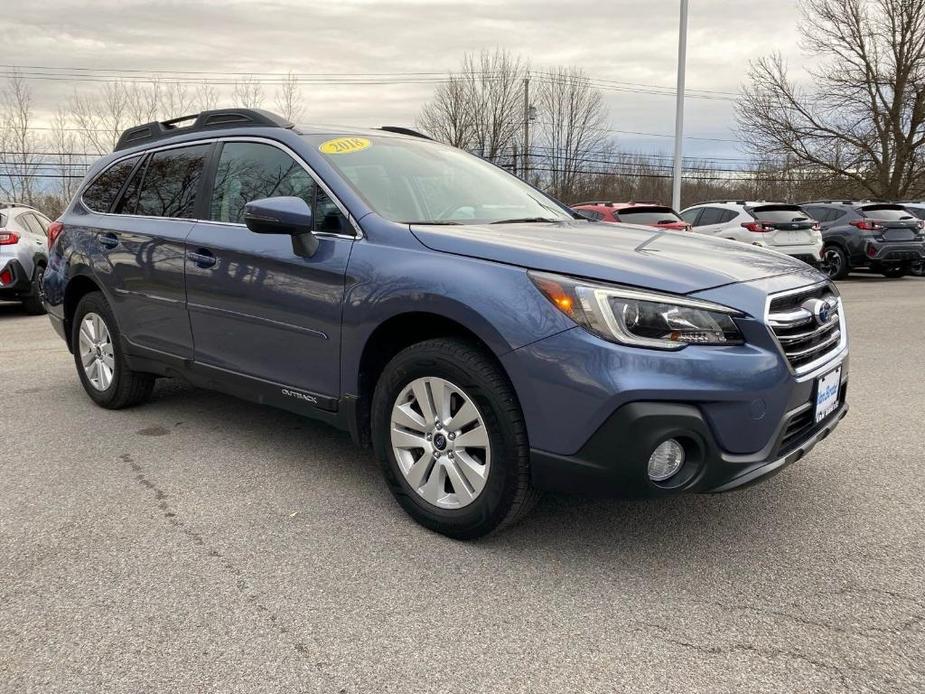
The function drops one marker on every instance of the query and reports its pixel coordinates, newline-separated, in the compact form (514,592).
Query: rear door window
(171,182)
(690,216)
(101,194)
(31,223)
(713,215)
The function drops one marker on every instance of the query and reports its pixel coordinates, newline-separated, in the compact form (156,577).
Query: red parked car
(646,213)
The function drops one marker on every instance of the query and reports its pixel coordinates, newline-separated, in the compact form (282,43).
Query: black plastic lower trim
(614,461)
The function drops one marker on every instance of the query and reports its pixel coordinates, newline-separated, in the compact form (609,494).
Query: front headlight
(640,318)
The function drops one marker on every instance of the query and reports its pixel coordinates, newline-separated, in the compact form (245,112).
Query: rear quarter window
(102,192)
(171,182)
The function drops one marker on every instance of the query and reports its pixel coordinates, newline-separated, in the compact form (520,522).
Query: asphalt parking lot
(201,543)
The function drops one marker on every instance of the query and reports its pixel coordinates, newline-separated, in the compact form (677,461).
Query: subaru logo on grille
(821,310)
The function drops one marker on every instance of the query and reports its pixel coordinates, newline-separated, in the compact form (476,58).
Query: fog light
(666,460)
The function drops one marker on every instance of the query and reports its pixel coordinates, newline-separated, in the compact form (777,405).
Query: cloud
(619,40)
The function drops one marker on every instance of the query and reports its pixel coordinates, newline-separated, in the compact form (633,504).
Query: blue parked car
(484,341)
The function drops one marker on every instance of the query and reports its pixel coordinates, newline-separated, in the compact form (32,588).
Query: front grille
(807,323)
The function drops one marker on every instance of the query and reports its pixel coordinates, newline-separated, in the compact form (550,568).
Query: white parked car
(23,255)
(779,226)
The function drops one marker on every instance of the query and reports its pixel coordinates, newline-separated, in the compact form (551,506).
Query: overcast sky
(623,40)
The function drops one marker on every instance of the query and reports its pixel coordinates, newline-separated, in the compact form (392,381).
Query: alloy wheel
(96,351)
(831,262)
(440,442)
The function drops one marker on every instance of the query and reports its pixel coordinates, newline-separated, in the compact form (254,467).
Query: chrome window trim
(827,361)
(232,138)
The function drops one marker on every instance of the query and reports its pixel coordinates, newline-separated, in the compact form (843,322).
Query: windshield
(423,182)
(779,213)
(649,215)
(887,213)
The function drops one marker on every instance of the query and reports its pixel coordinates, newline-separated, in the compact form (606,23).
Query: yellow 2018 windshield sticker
(344,145)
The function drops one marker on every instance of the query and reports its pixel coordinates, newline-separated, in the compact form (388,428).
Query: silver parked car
(23,255)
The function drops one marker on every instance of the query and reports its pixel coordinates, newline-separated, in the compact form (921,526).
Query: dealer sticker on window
(827,390)
(344,145)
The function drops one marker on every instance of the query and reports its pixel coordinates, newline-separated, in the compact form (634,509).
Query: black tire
(895,271)
(507,495)
(835,262)
(917,269)
(34,303)
(127,387)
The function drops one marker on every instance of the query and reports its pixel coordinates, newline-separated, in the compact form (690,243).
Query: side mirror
(284,215)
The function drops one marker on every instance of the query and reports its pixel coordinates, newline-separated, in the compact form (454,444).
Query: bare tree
(572,117)
(448,117)
(102,116)
(480,108)
(175,100)
(289,98)
(248,92)
(206,97)
(65,151)
(20,160)
(861,123)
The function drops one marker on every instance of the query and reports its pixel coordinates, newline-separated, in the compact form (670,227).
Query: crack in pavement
(228,566)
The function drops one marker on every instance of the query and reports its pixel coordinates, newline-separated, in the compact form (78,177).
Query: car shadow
(693,528)
(9,308)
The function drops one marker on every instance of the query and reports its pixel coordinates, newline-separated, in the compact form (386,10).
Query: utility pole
(679,113)
(525,159)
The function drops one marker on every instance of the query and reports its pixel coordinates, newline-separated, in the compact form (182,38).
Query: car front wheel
(451,438)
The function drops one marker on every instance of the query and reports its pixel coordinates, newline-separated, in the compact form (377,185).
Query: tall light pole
(526,156)
(679,112)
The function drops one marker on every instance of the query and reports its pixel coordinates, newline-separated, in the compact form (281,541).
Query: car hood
(670,261)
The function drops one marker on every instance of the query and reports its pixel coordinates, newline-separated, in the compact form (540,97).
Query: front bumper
(614,461)
(595,410)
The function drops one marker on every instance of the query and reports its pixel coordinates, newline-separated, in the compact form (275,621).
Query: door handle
(202,257)
(109,240)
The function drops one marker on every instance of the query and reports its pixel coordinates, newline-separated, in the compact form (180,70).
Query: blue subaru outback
(484,341)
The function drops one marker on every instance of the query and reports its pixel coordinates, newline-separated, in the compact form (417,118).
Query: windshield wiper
(525,220)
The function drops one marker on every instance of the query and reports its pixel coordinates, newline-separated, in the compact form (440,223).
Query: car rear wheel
(451,438)
(100,359)
(34,303)
(917,269)
(834,263)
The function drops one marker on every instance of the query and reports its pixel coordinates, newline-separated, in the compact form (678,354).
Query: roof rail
(207,120)
(605,203)
(726,202)
(399,130)
(6,204)
(830,202)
